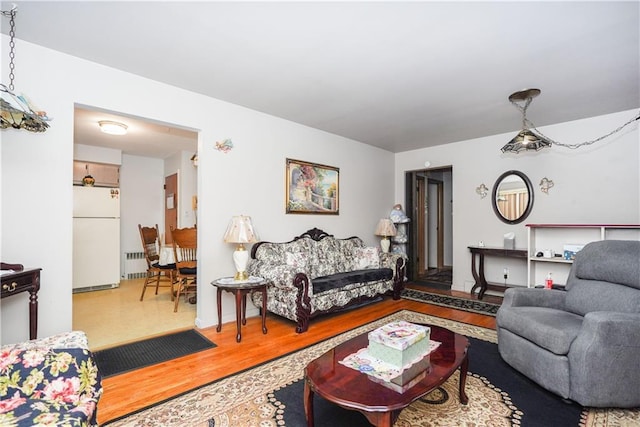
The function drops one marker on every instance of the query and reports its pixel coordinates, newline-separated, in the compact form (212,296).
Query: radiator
(134,265)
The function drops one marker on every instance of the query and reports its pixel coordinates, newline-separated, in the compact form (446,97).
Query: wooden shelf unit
(541,237)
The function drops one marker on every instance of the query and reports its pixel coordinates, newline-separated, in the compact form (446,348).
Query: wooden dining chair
(155,271)
(185,247)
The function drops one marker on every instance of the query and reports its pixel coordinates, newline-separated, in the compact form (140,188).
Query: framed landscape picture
(312,188)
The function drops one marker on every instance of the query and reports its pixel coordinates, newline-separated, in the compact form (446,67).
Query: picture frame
(312,188)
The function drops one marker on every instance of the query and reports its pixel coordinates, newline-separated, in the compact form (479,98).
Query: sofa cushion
(366,257)
(339,280)
(551,329)
(49,386)
(298,260)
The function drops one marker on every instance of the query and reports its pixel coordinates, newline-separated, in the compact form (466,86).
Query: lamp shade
(385,228)
(240,230)
(525,140)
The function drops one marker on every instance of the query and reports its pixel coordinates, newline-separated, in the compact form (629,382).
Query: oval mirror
(512,197)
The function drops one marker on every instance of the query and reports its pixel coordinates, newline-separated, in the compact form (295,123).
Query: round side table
(240,289)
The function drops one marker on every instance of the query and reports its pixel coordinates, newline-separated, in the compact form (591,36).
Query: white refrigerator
(96,238)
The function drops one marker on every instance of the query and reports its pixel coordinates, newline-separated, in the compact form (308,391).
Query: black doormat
(470,305)
(136,355)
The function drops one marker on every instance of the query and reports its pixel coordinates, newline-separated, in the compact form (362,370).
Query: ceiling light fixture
(112,128)
(17,111)
(525,139)
(531,139)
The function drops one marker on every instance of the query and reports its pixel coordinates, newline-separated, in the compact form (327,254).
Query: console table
(23,280)
(478,274)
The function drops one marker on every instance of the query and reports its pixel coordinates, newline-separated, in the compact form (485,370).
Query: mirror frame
(494,193)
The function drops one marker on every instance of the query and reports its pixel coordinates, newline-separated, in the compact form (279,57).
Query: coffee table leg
(463,379)
(308,403)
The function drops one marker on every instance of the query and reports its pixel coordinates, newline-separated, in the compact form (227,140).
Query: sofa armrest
(390,260)
(532,297)
(280,275)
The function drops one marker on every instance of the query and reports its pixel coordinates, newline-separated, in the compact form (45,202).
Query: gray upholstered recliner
(583,343)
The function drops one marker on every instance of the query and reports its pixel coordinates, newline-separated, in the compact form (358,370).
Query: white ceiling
(396,75)
(144,137)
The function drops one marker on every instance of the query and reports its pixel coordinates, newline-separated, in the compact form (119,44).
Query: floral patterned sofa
(316,274)
(49,381)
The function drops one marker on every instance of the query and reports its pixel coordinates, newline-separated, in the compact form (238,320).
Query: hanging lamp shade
(525,140)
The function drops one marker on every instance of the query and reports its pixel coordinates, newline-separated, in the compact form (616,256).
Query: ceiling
(395,75)
(144,137)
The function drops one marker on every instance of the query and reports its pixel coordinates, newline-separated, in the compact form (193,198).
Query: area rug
(136,355)
(473,306)
(270,395)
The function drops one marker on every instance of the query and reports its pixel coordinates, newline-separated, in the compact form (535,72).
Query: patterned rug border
(481,307)
(197,406)
(480,333)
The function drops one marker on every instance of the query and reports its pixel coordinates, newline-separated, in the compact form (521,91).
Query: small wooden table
(240,289)
(481,283)
(354,390)
(23,280)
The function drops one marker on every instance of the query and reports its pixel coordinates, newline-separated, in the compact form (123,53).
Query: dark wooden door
(170,206)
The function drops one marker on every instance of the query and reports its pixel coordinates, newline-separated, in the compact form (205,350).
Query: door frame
(416,187)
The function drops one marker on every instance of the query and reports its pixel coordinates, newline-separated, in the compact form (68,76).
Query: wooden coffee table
(381,405)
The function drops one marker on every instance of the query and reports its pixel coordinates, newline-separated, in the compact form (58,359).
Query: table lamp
(385,229)
(240,231)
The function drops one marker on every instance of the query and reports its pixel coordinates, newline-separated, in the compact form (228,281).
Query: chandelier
(531,139)
(17,111)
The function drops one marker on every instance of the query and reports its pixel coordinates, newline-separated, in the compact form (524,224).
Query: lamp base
(385,243)
(241,276)
(240,259)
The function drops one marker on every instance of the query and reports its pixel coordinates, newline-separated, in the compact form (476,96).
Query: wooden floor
(134,390)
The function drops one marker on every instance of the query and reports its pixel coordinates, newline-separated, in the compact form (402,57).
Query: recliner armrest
(606,328)
(532,297)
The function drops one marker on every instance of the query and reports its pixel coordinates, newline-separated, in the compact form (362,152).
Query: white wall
(597,184)
(141,198)
(36,209)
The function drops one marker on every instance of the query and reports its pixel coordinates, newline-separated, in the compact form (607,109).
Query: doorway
(429,201)
(148,156)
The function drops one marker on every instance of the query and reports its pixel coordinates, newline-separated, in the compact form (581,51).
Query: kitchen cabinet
(549,241)
(105,174)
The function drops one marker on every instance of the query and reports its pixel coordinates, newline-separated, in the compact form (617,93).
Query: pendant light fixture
(17,111)
(525,139)
(531,139)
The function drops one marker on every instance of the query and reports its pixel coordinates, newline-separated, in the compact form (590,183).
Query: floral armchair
(50,381)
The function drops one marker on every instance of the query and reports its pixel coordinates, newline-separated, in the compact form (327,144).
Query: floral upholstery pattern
(292,266)
(49,386)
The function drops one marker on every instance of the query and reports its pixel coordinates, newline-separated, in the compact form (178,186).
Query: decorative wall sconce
(482,191)
(224,146)
(531,139)
(545,185)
